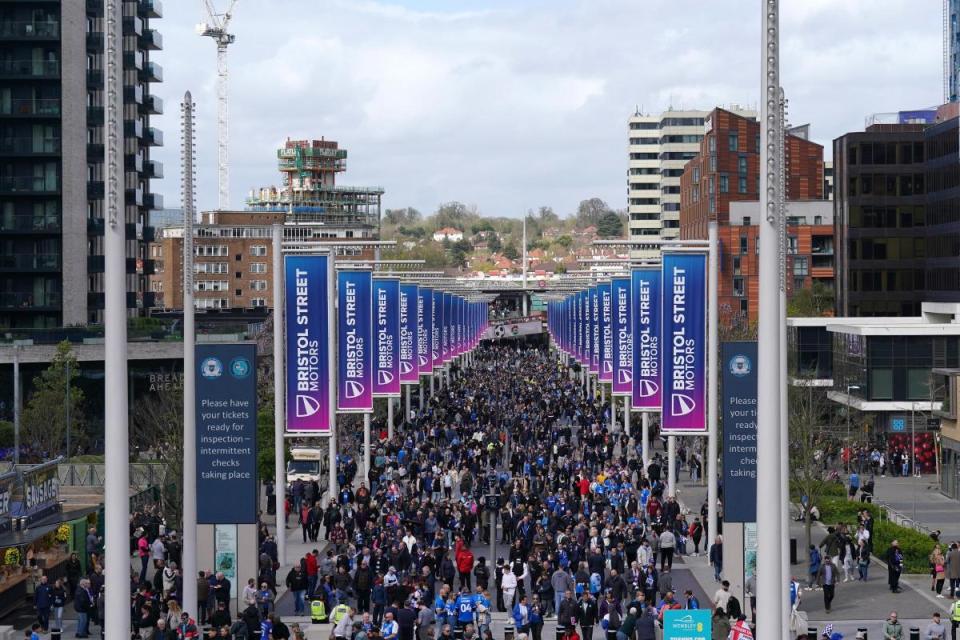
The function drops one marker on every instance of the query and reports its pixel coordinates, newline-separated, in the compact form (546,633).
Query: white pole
(770,581)
(406,416)
(279,396)
(116,414)
(389,418)
(431,386)
(16,405)
(672,466)
(332,369)
(524,266)
(782,335)
(603,392)
(189,555)
(712,383)
(613,412)
(420,393)
(626,415)
(366,445)
(645,435)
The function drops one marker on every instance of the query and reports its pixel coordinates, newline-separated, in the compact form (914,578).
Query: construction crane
(216,27)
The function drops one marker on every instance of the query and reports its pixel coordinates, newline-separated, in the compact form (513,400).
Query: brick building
(727,169)
(810,255)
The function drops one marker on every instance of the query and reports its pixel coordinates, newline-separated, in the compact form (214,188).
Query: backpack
(733,607)
(613,620)
(481,572)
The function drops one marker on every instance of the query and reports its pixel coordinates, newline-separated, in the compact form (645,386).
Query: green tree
(406,215)
(510,252)
(590,211)
(158,426)
(493,243)
(546,217)
(808,407)
(44,421)
(610,225)
(565,241)
(815,301)
(481,226)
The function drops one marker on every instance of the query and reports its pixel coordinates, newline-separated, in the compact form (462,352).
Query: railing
(28,300)
(18,29)
(27,222)
(28,183)
(30,261)
(30,68)
(142,475)
(30,107)
(898,518)
(30,145)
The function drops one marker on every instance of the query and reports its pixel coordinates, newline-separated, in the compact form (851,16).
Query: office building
(727,169)
(659,147)
(896,209)
(52,154)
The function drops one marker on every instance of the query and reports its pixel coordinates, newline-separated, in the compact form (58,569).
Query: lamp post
(850,387)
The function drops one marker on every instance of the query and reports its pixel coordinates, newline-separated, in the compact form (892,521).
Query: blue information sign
(739,361)
(226,409)
(687,624)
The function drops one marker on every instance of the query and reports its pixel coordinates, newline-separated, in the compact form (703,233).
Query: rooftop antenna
(216,27)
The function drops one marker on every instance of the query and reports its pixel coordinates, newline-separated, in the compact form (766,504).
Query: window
(210,285)
(733,141)
(696,174)
(742,184)
(258,285)
(713,204)
(746,221)
(817,219)
(211,303)
(799,283)
(711,184)
(258,267)
(724,183)
(713,163)
(881,384)
(744,309)
(258,302)
(738,287)
(258,250)
(918,381)
(742,164)
(792,245)
(210,267)
(736,265)
(756,142)
(238,257)
(156,286)
(743,244)
(801,267)
(712,144)
(207,250)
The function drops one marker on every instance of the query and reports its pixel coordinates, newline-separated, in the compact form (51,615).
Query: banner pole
(672,466)
(389,418)
(279,395)
(713,395)
(645,425)
(333,375)
(366,444)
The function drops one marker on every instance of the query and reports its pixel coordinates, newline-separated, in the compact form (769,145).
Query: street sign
(898,424)
(933,423)
(492,502)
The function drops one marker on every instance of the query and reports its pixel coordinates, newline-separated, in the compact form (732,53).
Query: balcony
(29,146)
(153,201)
(154,137)
(133,197)
(29,301)
(149,234)
(133,162)
(96,226)
(151,72)
(151,39)
(29,68)
(95,42)
(132,26)
(149,267)
(94,78)
(27,30)
(821,273)
(94,151)
(28,224)
(132,129)
(28,107)
(133,60)
(154,169)
(133,95)
(150,9)
(95,116)
(30,262)
(95,189)
(28,184)
(152,105)
(95,300)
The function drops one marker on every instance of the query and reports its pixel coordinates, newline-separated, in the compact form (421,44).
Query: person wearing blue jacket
(465,606)
(521,615)
(43,600)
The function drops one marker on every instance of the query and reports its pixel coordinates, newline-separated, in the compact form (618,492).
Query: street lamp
(850,387)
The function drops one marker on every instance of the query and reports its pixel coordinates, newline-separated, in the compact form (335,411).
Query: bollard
(811,633)
(55,634)
(861,633)
(914,633)
(458,632)
(561,631)
(509,632)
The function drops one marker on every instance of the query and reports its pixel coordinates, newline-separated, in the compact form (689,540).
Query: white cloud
(510,105)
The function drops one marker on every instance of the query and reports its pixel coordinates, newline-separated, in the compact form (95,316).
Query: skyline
(388,81)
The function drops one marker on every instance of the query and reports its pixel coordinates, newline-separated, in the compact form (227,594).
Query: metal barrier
(894,516)
(71,474)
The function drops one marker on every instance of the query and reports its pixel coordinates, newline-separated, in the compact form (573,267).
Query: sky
(514,104)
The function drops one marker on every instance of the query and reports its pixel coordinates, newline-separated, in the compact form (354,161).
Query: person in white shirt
(509,586)
(410,540)
(722,597)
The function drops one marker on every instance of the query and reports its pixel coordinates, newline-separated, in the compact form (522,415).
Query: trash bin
(811,633)
(509,632)
(793,551)
(914,633)
(561,631)
(55,634)
(861,633)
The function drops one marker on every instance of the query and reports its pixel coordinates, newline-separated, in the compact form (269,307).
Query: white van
(304,464)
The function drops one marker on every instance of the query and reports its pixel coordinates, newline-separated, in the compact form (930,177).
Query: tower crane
(216,26)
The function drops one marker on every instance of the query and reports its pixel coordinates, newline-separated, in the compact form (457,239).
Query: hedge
(916,546)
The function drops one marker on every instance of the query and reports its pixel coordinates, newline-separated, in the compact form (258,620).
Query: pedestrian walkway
(920,500)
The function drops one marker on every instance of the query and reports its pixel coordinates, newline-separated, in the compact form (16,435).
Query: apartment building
(52,154)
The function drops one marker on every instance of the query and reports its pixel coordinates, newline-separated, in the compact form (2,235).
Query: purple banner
(354,352)
(308,341)
(683,405)
(387,337)
(622,338)
(409,317)
(646,301)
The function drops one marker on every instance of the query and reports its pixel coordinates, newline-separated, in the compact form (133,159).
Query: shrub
(916,546)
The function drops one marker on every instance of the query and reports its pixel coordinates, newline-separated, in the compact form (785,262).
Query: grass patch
(916,546)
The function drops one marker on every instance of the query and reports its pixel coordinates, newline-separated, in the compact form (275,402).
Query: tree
(610,225)
(481,226)
(564,241)
(44,421)
(453,214)
(546,217)
(807,407)
(815,301)
(493,243)
(158,427)
(510,252)
(590,211)
(401,216)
